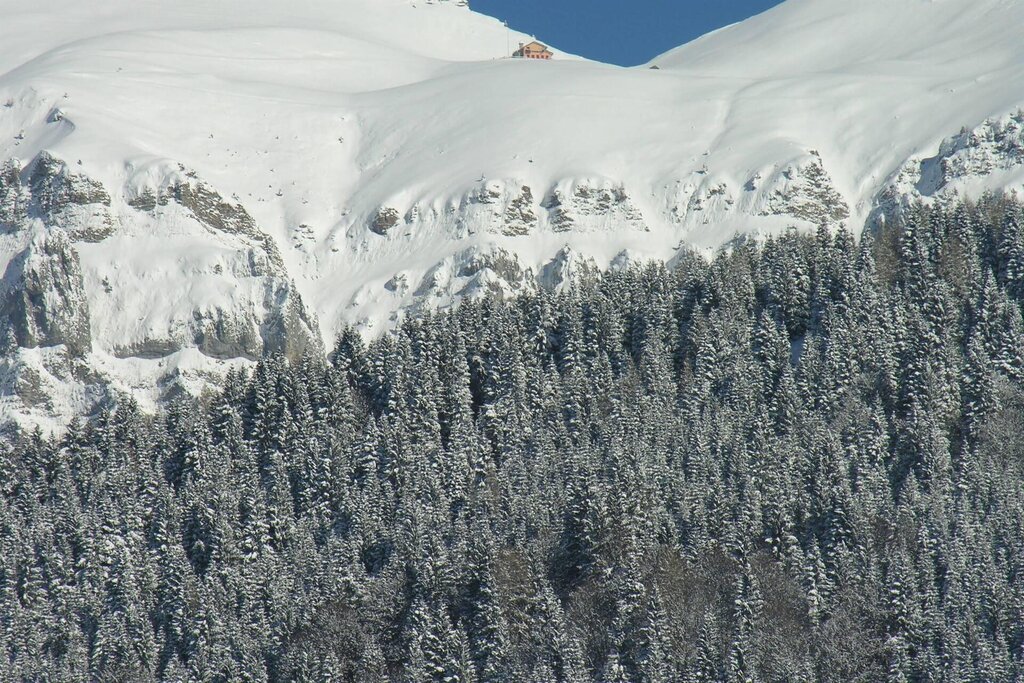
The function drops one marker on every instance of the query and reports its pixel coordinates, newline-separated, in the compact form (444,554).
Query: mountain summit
(187,186)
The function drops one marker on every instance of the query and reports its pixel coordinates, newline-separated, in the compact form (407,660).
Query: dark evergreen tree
(799,460)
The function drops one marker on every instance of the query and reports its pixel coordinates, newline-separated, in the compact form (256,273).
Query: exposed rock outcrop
(502,207)
(385,220)
(14,197)
(994,147)
(279,324)
(502,263)
(276,322)
(237,302)
(520,218)
(210,209)
(592,205)
(567,267)
(44,296)
(71,201)
(808,193)
(290,328)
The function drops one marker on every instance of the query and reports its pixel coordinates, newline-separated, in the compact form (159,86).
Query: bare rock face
(995,147)
(808,194)
(220,333)
(28,381)
(148,199)
(505,207)
(290,329)
(493,271)
(27,385)
(520,219)
(281,324)
(277,322)
(54,186)
(14,197)
(57,272)
(717,197)
(385,220)
(72,201)
(44,295)
(502,206)
(210,209)
(500,263)
(594,205)
(47,190)
(45,298)
(565,268)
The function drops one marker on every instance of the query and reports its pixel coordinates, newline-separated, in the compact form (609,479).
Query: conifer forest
(799,460)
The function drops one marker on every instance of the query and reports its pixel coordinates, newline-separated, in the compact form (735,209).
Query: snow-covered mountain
(185,186)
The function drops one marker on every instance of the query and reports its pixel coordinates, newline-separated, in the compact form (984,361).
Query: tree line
(801,460)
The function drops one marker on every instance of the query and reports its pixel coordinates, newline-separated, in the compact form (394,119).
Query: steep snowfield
(238,176)
(869,84)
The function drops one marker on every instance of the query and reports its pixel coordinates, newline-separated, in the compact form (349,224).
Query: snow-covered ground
(254,168)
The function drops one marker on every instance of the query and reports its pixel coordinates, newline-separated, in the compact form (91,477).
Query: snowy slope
(870,85)
(242,176)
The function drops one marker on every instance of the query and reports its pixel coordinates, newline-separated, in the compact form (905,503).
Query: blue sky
(625,32)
